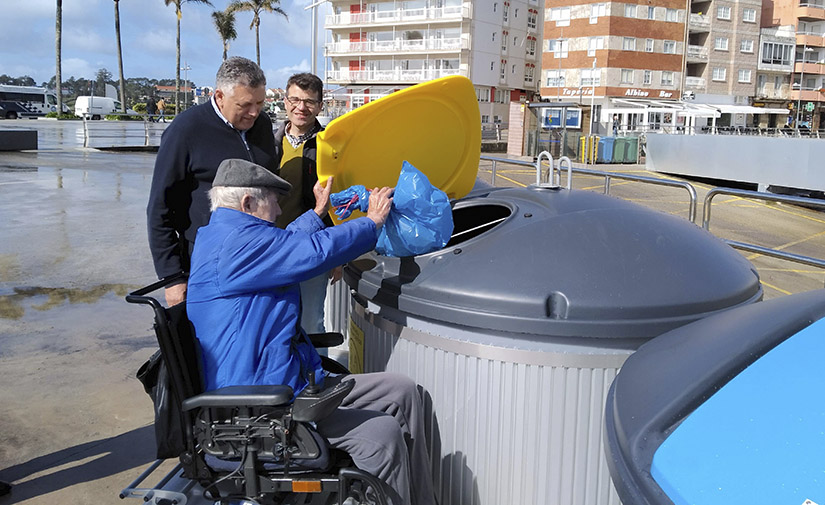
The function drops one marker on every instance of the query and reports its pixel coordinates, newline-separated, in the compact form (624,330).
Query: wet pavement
(75,426)
(74,423)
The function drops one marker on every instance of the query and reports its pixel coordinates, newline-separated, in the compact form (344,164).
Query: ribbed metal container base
(506,426)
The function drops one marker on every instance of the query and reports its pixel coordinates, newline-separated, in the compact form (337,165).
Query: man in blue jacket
(244,302)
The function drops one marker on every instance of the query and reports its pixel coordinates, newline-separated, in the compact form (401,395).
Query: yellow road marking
(776,288)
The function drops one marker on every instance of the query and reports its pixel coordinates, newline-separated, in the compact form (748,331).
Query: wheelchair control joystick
(312,388)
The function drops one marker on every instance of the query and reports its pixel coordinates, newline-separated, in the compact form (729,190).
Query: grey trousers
(381,425)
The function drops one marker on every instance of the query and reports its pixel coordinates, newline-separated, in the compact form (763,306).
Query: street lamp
(186,68)
(801,87)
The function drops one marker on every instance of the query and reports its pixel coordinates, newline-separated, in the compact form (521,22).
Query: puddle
(14,306)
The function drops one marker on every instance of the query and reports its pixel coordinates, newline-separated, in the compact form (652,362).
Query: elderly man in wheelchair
(259,411)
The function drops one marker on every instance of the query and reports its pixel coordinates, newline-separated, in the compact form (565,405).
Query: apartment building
(607,52)
(807,91)
(377,47)
(774,71)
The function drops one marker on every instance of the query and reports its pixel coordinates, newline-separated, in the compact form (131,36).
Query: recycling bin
(516,329)
(631,150)
(605,153)
(619,148)
(724,410)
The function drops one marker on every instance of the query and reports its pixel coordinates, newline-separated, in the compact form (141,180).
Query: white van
(95,107)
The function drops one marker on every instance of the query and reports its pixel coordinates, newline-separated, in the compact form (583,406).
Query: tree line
(224,22)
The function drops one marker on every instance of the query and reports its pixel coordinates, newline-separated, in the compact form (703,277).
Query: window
(720,44)
(628,44)
(749,15)
(485,118)
(719,74)
(529,72)
(492,63)
(723,12)
(505,11)
(627,76)
(761,82)
(744,76)
(667,78)
(597,11)
(629,11)
(670,47)
(561,15)
(495,6)
(513,70)
(649,45)
(531,46)
(591,77)
(555,78)
(746,46)
(558,47)
(503,69)
(777,82)
(515,13)
(777,54)
(647,76)
(651,12)
(672,15)
(594,44)
(503,41)
(532,16)
(515,40)
(494,36)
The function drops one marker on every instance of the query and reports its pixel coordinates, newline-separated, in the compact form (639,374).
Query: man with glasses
(296,137)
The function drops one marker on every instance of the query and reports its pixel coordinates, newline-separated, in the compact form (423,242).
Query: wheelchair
(247,444)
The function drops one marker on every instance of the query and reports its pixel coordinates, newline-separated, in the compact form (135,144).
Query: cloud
(276,78)
(78,67)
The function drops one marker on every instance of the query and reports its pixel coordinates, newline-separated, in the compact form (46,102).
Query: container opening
(473,220)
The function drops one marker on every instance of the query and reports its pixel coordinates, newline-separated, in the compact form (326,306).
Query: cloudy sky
(148,36)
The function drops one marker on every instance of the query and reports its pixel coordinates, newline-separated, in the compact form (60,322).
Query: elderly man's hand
(380,205)
(322,197)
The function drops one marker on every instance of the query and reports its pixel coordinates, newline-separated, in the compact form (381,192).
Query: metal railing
(122,133)
(755,195)
(608,176)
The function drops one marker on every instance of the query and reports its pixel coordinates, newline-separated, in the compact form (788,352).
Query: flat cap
(245,174)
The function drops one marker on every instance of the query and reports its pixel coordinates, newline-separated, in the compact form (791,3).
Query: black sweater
(191,149)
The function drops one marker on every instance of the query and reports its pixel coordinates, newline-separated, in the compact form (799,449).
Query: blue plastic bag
(351,199)
(421,219)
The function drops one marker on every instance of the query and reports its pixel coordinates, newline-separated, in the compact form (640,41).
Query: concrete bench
(18,140)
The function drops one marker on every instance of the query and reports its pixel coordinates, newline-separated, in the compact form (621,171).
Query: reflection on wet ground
(12,306)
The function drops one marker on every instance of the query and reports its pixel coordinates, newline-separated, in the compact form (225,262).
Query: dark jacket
(191,149)
(309,167)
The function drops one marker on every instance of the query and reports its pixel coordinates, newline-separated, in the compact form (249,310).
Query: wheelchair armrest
(326,339)
(241,396)
(312,407)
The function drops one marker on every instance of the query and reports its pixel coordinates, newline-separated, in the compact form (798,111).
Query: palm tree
(58,42)
(256,7)
(120,58)
(225,24)
(177,4)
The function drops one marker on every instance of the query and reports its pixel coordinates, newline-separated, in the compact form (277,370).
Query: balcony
(808,95)
(697,54)
(389,76)
(809,67)
(810,39)
(699,23)
(393,17)
(694,82)
(810,11)
(397,46)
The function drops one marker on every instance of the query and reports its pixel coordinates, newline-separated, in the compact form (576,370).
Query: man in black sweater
(230,125)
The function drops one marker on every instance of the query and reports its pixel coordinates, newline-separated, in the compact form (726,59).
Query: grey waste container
(517,328)
(724,410)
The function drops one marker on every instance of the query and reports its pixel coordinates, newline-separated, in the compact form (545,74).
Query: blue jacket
(243,297)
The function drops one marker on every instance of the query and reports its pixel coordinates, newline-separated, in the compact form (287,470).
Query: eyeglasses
(309,102)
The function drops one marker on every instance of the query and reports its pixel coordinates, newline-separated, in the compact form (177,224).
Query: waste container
(516,329)
(631,150)
(605,154)
(619,147)
(725,410)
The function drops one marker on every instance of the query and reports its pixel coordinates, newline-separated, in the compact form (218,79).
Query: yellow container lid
(435,125)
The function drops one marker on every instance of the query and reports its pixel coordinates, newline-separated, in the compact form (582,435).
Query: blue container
(725,410)
(605,154)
